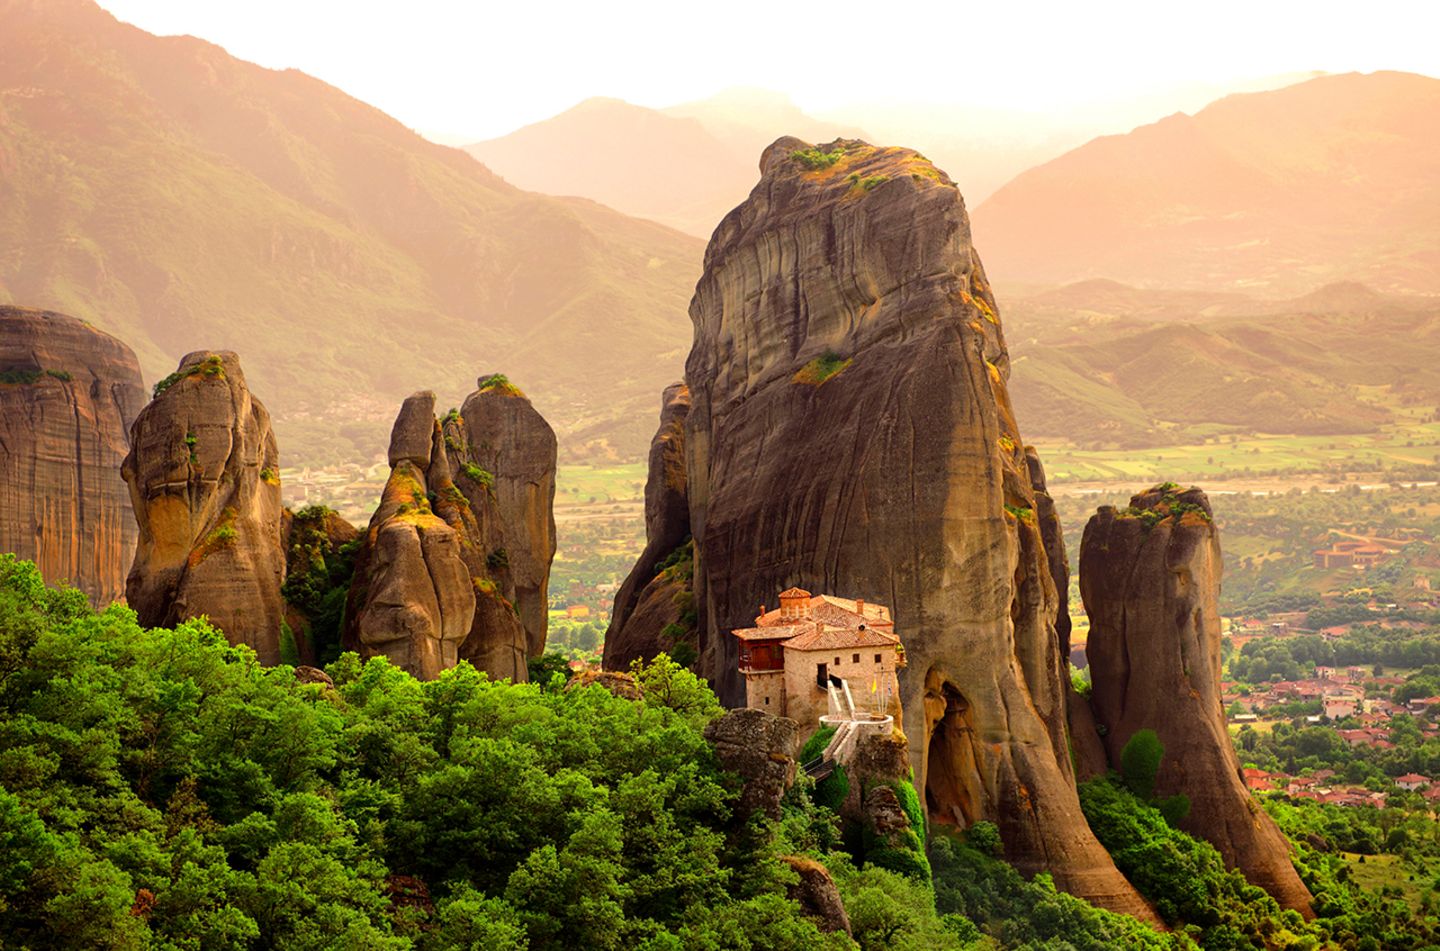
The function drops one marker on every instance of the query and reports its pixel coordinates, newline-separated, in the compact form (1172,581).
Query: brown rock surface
(444,502)
(850,432)
(68,397)
(641,636)
(760,748)
(622,685)
(412,600)
(816,894)
(508,438)
(645,603)
(1088,752)
(203,471)
(1150,578)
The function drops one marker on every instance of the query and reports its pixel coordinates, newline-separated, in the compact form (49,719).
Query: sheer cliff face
(203,471)
(412,599)
(645,603)
(68,395)
(508,438)
(454,546)
(850,432)
(1150,578)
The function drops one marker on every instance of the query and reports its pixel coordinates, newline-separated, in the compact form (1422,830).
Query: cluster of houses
(583,601)
(1321,786)
(1341,693)
(1339,690)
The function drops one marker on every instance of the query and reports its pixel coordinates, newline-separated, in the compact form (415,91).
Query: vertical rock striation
(203,471)
(1088,751)
(645,603)
(1150,579)
(850,431)
(459,522)
(412,599)
(508,438)
(68,394)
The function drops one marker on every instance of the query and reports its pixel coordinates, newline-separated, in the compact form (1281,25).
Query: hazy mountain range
(1334,179)
(180,198)
(685,166)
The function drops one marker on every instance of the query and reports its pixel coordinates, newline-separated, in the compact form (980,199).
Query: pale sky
(480,69)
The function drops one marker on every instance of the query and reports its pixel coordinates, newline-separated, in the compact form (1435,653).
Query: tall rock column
(1150,578)
(68,394)
(412,599)
(851,432)
(646,602)
(203,471)
(508,438)
(444,519)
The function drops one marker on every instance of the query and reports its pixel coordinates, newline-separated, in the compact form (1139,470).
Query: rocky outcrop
(68,394)
(621,684)
(760,748)
(850,430)
(1088,752)
(435,577)
(816,894)
(508,438)
(646,602)
(203,471)
(1150,578)
(412,599)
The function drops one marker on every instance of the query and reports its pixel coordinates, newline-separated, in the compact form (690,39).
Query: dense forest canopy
(159,788)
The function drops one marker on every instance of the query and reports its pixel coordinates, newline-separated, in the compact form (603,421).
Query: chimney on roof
(860,606)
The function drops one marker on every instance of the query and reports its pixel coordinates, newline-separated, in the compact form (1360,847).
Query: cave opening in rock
(952,776)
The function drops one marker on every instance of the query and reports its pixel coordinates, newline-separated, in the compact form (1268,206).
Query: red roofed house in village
(1412,781)
(790,654)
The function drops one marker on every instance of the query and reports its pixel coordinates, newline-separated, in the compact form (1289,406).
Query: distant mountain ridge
(685,166)
(180,198)
(1333,179)
(1100,363)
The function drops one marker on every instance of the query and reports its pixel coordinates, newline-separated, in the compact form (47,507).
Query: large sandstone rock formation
(435,580)
(204,482)
(646,602)
(1150,579)
(508,438)
(68,394)
(850,432)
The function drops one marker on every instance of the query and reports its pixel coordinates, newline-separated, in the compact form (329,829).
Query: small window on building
(854,658)
(837,662)
(767,701)
(877,658)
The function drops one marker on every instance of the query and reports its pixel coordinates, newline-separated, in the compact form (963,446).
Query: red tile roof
(826,638)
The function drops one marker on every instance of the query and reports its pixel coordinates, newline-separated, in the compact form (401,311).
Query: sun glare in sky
(480,69)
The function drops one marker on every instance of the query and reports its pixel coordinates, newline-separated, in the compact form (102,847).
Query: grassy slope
(1101,370)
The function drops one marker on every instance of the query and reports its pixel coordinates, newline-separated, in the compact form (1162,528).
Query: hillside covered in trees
(159,788)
